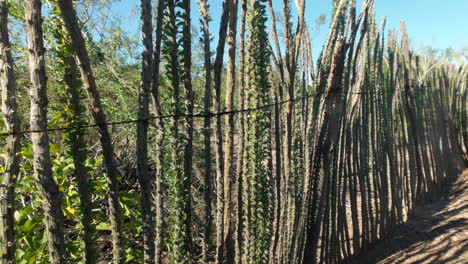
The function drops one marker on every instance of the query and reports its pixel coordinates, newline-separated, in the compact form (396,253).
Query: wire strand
(197,115)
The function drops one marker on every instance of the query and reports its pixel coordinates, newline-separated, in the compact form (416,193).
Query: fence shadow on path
(436,232)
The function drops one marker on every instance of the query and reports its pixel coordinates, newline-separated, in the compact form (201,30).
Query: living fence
(314,178)
(356,188)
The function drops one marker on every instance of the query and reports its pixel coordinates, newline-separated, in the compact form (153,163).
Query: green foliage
(15,9)
(31,236)
(258,133)
(371,149)
(173,57)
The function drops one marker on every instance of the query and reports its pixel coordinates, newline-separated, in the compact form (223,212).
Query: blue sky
(435,23)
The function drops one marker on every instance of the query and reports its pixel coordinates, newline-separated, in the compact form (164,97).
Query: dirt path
(436,233)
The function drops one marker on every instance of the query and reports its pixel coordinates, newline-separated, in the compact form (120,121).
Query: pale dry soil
(434,233)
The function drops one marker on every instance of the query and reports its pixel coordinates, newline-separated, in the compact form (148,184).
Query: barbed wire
(196,115)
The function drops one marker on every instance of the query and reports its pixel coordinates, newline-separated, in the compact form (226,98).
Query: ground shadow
(435,232)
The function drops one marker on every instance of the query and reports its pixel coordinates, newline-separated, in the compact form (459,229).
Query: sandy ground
(435,233)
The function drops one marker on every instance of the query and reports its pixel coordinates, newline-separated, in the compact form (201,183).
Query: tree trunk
(12,124)
(217,71)
(52,202)
(79,45)
(78,153)
(241,147)
(188,151)
(142,132)
(180,228)
(208,177)
(160,153)
(229,176)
